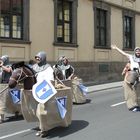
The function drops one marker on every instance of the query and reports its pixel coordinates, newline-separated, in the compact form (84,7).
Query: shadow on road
(87,102)
(75,126)
(14,118)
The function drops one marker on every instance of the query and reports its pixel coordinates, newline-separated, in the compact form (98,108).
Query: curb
(105,86)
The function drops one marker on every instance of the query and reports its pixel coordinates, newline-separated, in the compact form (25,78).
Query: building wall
(15,51)
(116,35)
(85,31)
(42,27)
(88,61)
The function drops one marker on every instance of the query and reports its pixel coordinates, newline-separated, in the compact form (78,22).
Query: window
(12,13)
(11,19)
(65,22)
(101,25)
(128,30)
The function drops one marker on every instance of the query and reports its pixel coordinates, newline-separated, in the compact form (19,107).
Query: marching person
(41,65)
(6,68)
(63,70)
(43,70)
(5,74)
(134,59)
(131,78)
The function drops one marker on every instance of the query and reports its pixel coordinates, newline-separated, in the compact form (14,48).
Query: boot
(44,134)
(1,118)
(16,115)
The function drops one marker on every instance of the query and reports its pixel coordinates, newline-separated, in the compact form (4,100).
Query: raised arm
(5,68)
(119,50)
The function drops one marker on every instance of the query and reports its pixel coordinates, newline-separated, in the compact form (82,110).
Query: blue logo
(15,94)
(61,104)
(62,101)
(83,89)
(43,90)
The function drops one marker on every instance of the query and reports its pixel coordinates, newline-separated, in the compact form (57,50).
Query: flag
(61,104)
(43,91)
(83,88)
(15,94)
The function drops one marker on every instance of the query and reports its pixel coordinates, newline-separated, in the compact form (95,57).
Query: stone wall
(94,73)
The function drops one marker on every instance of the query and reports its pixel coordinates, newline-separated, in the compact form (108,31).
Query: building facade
(82,30)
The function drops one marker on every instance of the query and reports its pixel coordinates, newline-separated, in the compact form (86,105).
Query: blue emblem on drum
(43,91)
(15,94)
(61,104)
(83,89)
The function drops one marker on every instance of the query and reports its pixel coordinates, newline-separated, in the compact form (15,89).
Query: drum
(9,102)
(78,96)
(48,114)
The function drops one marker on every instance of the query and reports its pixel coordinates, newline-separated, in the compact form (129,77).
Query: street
(104,117)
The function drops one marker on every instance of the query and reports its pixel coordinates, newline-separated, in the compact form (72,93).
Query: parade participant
(6,68)
(5,75)
(63,70)
(43,70)
(42,66)
(131,78)
(134,59)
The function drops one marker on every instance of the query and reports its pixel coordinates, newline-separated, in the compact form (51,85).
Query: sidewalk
(105,86)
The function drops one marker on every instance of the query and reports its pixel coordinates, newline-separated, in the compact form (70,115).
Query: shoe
(1,118)
(44,134)
(136,109)
(16,114)
(38,133)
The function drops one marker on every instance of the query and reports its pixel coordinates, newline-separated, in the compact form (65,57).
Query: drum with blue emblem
(55,112)
(10,99)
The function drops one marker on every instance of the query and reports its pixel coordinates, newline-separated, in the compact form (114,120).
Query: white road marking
(118,104)
(13,134)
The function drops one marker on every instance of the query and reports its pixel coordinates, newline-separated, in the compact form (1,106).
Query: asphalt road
(104,117)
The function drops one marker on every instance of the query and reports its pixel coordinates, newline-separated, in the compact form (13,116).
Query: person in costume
(42,70)
(131,78)
(6,69)
(5,74)
(63,70)
(64,73)
(134,59)
(41,65)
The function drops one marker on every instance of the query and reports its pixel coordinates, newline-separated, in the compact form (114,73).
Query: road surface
(104,117)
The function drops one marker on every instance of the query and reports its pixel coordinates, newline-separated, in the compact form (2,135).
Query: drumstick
(60,81)
(4,89)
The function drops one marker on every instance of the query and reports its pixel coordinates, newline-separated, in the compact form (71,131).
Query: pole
(4,89)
